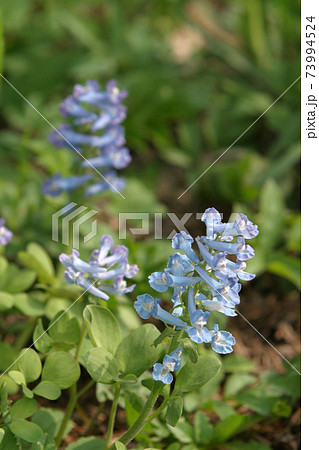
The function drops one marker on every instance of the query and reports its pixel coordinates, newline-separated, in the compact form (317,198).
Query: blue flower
(56,185)
(5,234)
(242,226)
(222,341)
(212,219)
(219,274)
(171,363)
(183,241)
(95,132)
(239,248)
(146,305)
(93,275)
(197,332)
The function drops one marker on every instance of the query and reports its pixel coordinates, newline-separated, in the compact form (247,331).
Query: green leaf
(28,431)
(36,258)
(28,306)
(222,409)
(19,280)
(1,434)
(29,364)
(251,445)
(8,355)
(62,369)
(45,443)
(139,343)
(64,328)
(228,427)
(6,301)
(42,341)
(190,349)
(286,266)
(183,432)
(88,443)
(166,333)
(41,255)
(100,365)
(102,327)
(47,389)
(17,377)
(203,429)
(235,363)
(174,411)
(119,446)
(272,209)
(193,376)
(49,420)
(237,382)
(23,408)
(3,398)
(27,392)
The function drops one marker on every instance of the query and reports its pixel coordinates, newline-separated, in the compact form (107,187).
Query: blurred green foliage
(198,75)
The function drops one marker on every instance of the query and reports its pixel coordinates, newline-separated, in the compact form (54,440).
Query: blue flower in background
(105,272)
(5,234)
(171,363)
(93,131)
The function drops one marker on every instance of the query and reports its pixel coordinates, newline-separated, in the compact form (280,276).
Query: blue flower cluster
(5,234)
(211,281)
(105,272)
(95,132)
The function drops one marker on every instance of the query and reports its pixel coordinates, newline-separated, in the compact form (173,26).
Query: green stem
(110,426)
(159,410)
(144,415)
(85,388)
(138,425)
(73,394)
(67,415)
(80,343)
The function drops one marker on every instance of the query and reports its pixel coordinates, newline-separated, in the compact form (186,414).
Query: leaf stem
(73,394)
(67,415)
(110,426)
(138,425)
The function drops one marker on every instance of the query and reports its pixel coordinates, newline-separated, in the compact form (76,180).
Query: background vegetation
(198,75)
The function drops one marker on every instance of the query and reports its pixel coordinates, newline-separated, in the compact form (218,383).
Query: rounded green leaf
(23,408)
(65,328)
(1,434)
(6,301)
(17,377)
(100,366)
(174,411)
(103,328)
(193,376)
(29,364)
(47,389)
(28,431)
(41,339)
(62,369)
(137,352)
